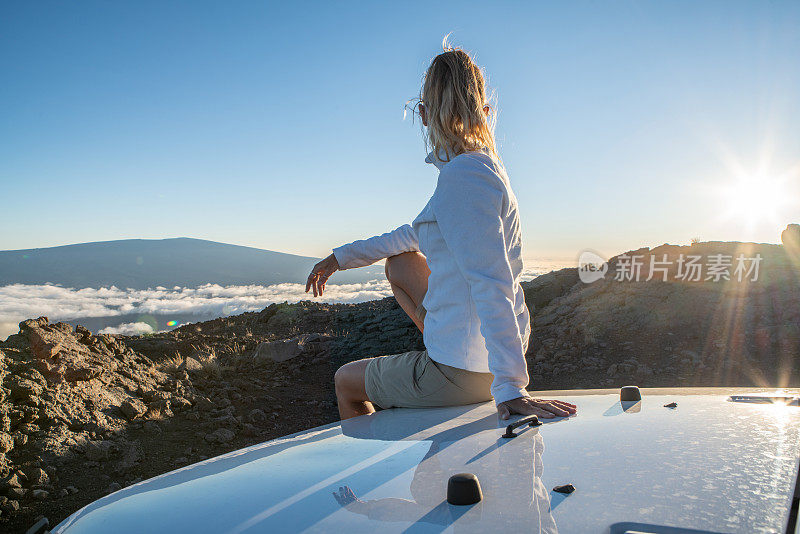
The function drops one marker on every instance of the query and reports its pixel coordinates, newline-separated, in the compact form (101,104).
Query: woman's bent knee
(340,378)
(349,379)
(390,266)
(405,261)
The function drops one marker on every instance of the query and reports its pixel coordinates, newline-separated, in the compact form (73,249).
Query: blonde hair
(454,96)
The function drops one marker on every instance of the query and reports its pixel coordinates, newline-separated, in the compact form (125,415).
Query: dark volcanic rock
(63,394)
(132,408)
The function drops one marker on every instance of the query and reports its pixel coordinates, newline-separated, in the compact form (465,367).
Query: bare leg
(408,275)
(351,392)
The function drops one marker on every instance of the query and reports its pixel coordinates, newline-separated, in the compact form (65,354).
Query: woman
(455,270)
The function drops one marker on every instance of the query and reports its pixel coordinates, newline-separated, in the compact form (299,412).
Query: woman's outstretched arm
(367,251)
(360,253)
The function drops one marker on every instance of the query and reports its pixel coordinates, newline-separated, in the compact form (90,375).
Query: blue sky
(622,124)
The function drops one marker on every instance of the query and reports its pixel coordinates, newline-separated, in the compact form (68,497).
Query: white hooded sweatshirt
(469,232)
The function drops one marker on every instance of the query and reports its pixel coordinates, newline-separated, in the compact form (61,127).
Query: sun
(755,199)
(752,196)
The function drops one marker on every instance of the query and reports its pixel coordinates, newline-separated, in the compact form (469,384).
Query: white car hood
(710,465)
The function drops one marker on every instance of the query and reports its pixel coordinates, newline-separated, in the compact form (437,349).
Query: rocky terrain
(82,415)
(673,332)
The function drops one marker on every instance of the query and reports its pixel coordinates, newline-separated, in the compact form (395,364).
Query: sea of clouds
(19,301)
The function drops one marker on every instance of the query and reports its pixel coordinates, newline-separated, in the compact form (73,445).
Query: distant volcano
(149,263)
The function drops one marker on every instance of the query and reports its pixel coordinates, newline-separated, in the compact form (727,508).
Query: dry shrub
(172,365)
(207,357)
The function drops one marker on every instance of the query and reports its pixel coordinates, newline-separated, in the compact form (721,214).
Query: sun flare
(756,199)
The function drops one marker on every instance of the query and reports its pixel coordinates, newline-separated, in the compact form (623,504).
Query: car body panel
(710,464)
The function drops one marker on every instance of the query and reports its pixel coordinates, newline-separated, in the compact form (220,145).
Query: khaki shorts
(413,380)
